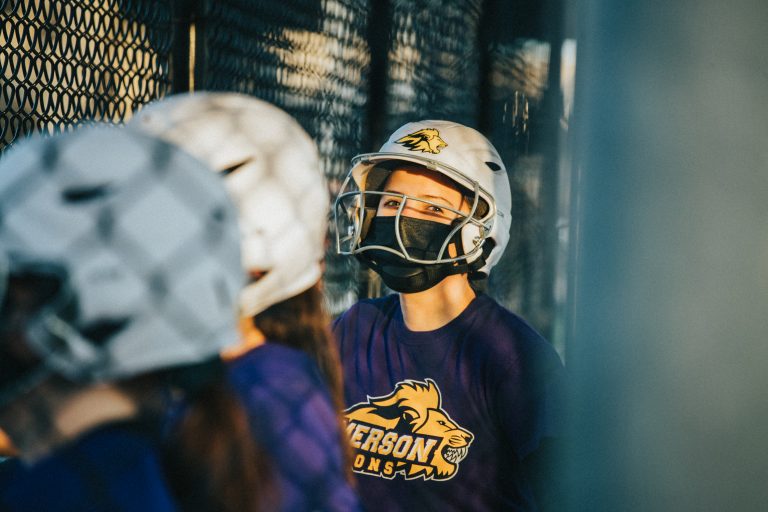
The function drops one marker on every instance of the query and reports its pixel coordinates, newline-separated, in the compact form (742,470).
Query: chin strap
(475,266)
(471,268)
(464,267)
(411,278)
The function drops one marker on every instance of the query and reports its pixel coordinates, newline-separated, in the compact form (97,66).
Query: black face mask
(422,239)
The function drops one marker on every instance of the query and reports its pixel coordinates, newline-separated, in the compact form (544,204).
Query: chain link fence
(65,62)
(309,58)
(350,71)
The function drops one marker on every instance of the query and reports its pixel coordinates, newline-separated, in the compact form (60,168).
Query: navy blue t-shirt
(295,421)
(114,468)
(443,420)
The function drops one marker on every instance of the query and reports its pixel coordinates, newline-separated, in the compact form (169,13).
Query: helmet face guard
(356,207)
(35,307)
(353,224)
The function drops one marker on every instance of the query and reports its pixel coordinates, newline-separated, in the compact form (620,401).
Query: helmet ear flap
(471,237)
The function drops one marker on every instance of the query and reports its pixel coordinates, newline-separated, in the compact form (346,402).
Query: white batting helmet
(454,150)
(142,242)
(272,171)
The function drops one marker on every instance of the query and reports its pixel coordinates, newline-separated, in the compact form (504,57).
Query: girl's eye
(391,203)
(434,209)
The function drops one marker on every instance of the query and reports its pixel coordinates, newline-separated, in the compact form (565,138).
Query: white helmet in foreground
(272,172)
(137,244)
(459,153)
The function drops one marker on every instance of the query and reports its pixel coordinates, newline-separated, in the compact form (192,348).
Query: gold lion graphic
(414,408)
(427,141)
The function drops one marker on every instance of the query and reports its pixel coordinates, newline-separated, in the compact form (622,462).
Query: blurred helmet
(135,244)
(272,171)
(458,152)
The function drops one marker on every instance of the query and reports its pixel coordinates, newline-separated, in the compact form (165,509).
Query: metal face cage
(355,209)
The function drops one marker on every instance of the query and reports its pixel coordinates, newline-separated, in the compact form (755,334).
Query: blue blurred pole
(668,336)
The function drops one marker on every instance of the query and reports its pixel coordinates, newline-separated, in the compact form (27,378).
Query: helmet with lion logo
(458,152)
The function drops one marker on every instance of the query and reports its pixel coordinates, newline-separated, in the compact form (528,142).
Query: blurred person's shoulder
(274,362)
(110,462)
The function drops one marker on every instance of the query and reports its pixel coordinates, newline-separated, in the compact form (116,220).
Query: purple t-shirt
(443,420)
(293,418)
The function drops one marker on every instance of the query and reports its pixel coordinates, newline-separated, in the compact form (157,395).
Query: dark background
(351,72)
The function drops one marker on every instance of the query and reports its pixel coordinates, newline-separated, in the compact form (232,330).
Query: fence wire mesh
(62,62)
(433,65)
(350,71)
(309,58)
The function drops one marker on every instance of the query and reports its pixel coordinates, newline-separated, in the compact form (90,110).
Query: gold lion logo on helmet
(426,140)
(406,432)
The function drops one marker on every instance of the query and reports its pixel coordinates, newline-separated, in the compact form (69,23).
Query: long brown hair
(212,461)
(302,322)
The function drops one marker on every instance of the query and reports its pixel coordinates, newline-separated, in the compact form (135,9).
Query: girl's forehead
(416,178)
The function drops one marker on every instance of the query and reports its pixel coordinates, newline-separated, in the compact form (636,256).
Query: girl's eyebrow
(425,196)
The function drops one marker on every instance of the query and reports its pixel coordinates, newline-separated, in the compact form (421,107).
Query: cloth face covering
(421,239)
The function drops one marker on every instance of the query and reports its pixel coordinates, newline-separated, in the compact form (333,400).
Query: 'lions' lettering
(407,432)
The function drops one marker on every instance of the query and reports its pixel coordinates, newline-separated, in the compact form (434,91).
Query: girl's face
(423,184)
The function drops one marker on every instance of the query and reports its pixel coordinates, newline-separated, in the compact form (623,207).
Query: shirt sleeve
(530,396)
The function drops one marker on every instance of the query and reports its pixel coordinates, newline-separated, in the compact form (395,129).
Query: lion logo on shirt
(407,432)
(426,140)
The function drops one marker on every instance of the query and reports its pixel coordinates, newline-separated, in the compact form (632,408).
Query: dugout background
(350,71)
(668,272)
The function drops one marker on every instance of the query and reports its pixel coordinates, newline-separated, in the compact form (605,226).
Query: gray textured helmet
(144,241)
